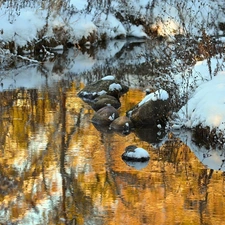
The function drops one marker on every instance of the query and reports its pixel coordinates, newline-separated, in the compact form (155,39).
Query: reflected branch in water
(62,154)
(203,203)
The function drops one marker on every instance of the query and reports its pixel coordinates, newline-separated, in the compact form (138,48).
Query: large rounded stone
(107,85)
(105,115)
(152,110)
(105,100)
(122,124)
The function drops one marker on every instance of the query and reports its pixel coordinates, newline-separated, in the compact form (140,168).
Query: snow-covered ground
(206,101)
(167,18)
(205,91)
(207,105)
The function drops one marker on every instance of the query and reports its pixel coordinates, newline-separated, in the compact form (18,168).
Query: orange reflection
(56,168)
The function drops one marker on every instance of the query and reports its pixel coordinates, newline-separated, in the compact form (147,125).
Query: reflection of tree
(63,151)
(195,193)
(115,178)
(80,173)
(77,205)
(204,181)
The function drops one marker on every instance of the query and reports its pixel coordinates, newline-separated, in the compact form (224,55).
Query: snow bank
(207,106)
(110,26)
(75,22)
(24,28)
(79,26)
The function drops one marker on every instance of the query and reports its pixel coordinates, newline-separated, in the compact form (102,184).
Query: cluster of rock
(104,97)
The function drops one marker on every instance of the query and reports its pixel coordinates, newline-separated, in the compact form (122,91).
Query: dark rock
(105,116)
(221,26)
(103,128)
(104,86)
(105,100)
(122,124)
(150,113)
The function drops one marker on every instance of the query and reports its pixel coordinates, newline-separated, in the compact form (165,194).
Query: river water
(57,168)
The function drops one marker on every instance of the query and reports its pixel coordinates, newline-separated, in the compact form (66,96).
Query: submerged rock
(102,128)
(105,100)
(107,85)
(122,124)
(105,115)
(152,110)
(133,153)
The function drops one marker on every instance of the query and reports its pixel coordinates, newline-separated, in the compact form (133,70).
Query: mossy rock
(102,87)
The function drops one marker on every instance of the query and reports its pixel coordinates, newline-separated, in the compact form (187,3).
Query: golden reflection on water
(56,168)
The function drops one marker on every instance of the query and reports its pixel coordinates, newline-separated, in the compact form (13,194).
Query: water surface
(57,168)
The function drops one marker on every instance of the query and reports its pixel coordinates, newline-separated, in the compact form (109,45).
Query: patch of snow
(22,28)
(176,126)
(114,86)
(222,38)
(147,91)
(112,117)
(79,4)
(103,92)
(157,95)
(85,93)
(159,126)
(137,31)
(109,77)
(79,25)
(159,133)
(109,25)
(138,153)
(88,43)
(57,48)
